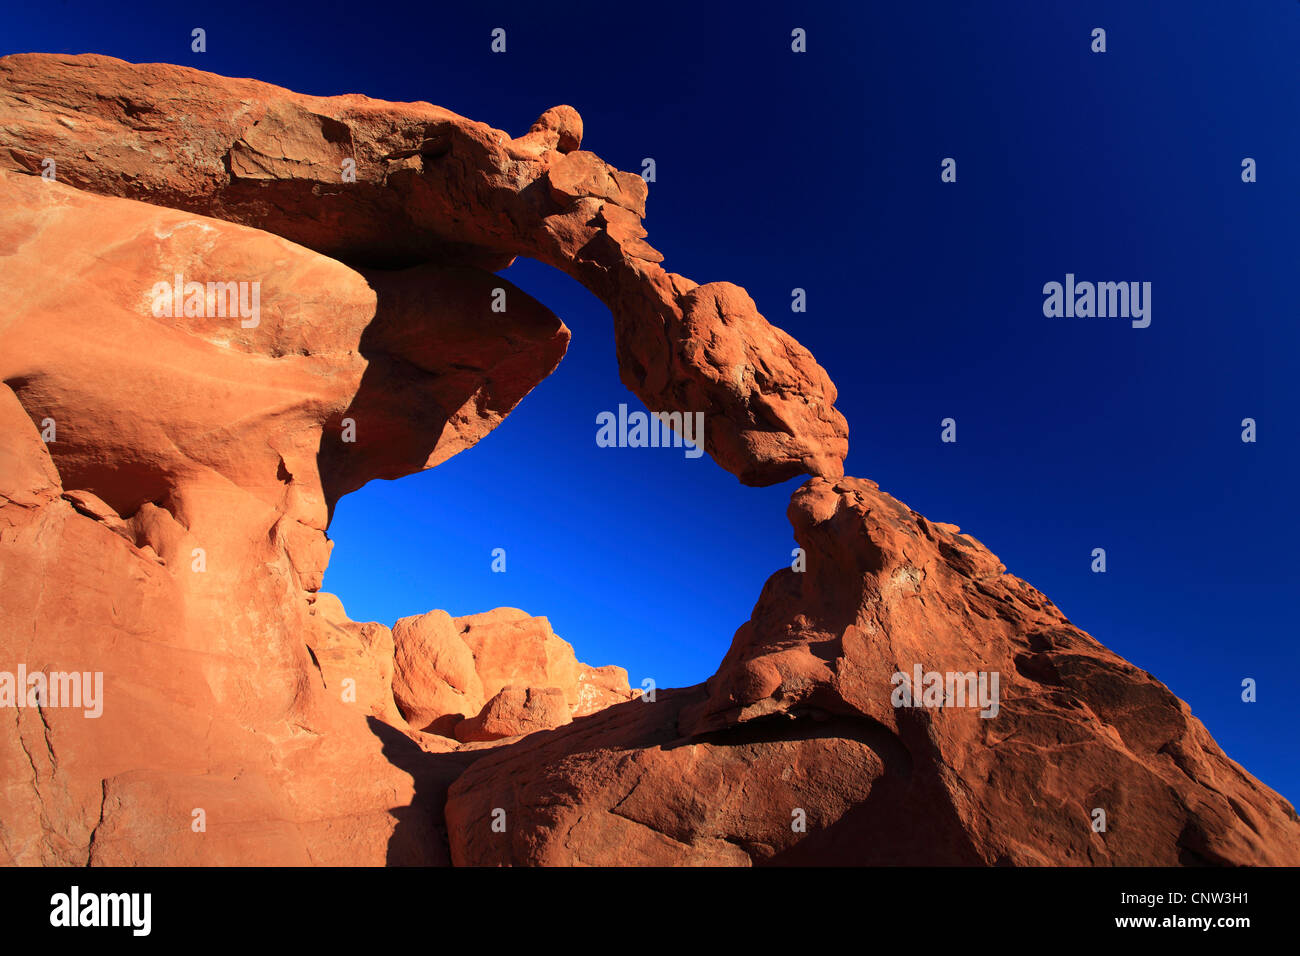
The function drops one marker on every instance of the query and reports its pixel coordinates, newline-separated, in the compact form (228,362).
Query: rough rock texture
(432,186)
(166,482)
(801,717)
(451,674)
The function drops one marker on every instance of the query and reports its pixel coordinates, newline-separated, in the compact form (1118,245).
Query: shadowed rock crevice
(420,825)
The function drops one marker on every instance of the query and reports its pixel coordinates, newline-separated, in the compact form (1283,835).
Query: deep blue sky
(821,171)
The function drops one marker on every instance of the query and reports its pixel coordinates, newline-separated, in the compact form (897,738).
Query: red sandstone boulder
(516,711)
(435,682)
(565,123)
(448,670)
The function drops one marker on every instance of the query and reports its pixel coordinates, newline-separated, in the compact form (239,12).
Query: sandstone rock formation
(167,477)
(799,724)
(431,186)
(493,675)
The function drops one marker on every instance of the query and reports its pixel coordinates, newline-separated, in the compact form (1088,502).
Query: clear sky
(821,171)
